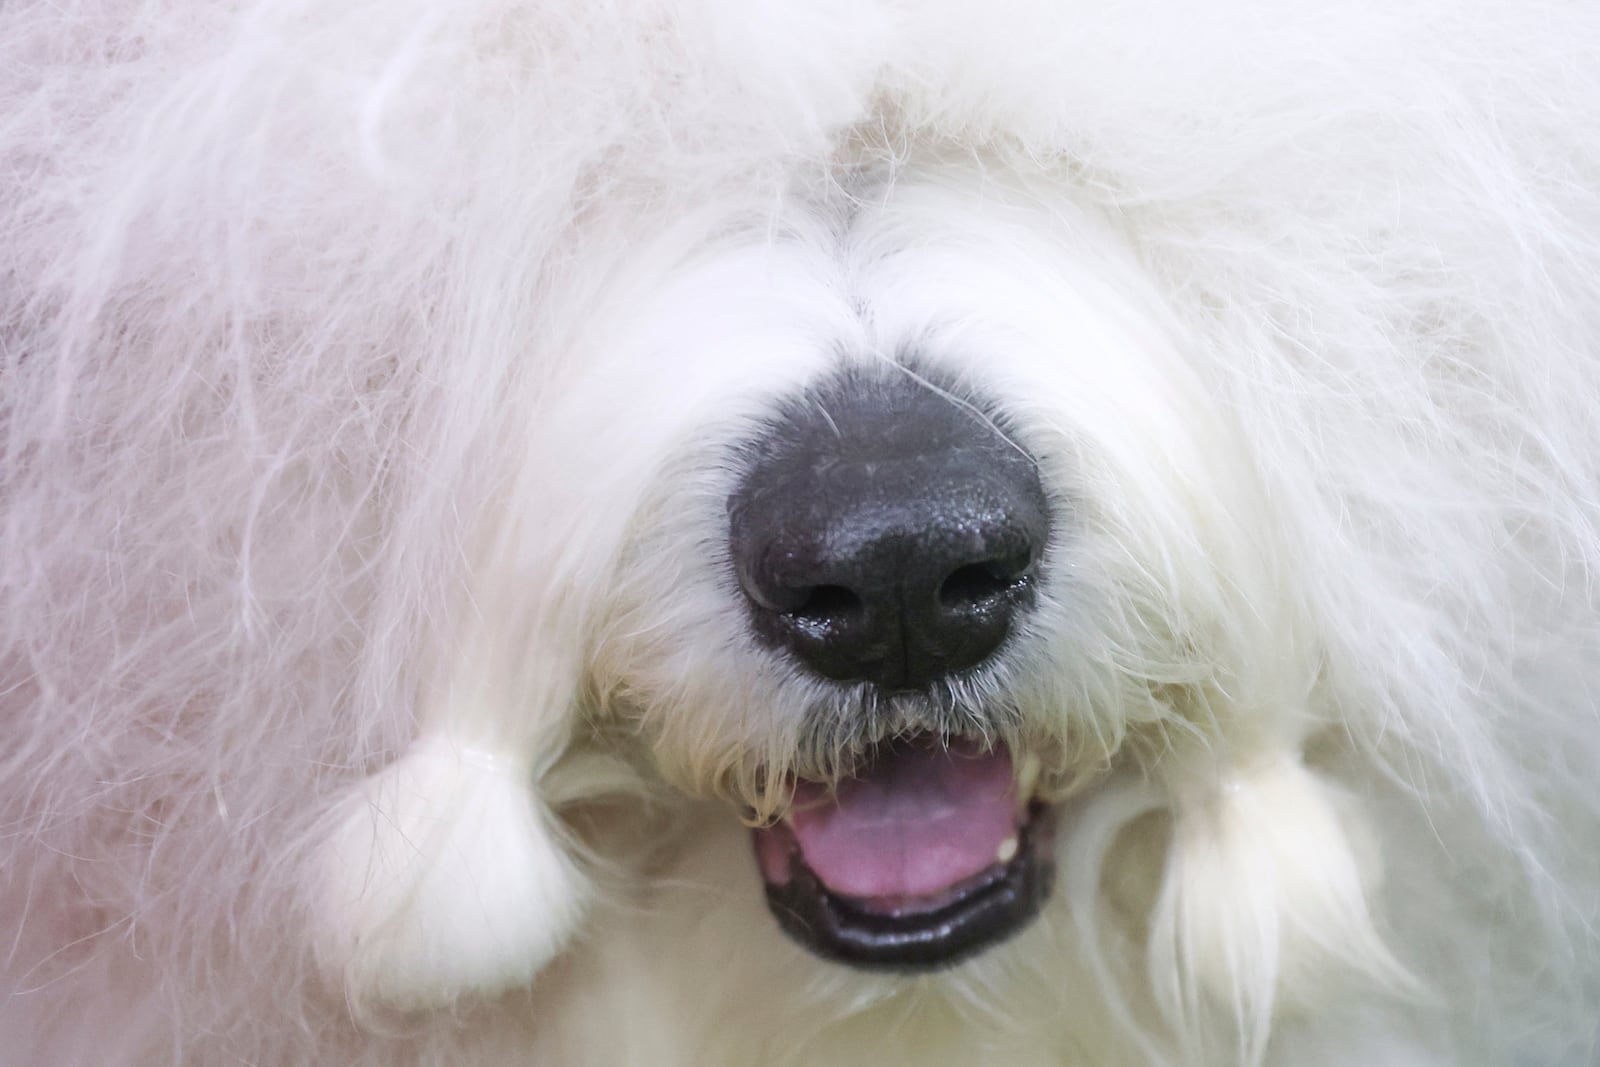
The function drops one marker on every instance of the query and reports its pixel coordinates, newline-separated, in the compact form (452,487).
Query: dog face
(948,534)
(905,522)
(1044,496)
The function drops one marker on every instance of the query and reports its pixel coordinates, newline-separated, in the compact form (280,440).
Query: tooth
(1008,849)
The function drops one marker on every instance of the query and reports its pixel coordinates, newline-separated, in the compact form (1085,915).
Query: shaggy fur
(373,688)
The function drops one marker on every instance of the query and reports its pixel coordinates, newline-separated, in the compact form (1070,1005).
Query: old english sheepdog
(683,532)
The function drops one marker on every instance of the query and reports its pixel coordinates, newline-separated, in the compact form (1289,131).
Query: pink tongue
(916,822)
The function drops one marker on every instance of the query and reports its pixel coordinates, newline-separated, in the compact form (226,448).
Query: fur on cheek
(1264,904)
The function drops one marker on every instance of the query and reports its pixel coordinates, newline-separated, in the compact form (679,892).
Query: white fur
(372,379)
(449,878)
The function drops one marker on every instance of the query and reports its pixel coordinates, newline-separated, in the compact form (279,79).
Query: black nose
(887,532)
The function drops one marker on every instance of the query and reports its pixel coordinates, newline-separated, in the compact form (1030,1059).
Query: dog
(680,532)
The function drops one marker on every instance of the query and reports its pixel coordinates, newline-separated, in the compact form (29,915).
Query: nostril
(979,583)
(776,598)
(827,603)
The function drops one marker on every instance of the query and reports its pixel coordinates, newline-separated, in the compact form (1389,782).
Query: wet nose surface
(884,532)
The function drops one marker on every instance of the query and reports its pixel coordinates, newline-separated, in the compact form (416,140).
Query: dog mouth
(931,853)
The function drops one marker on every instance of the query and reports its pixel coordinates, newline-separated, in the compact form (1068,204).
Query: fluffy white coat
(371,380)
